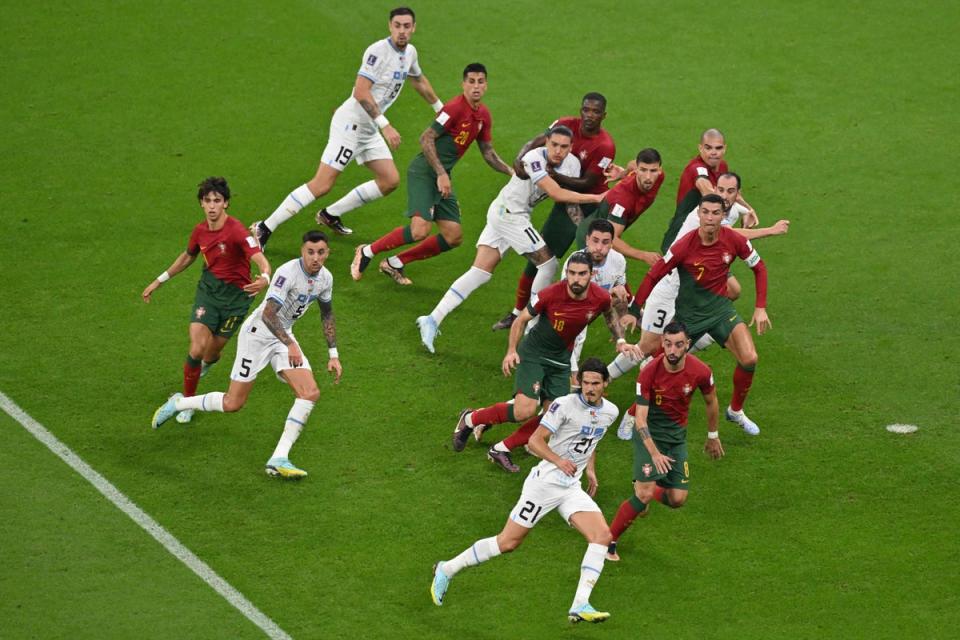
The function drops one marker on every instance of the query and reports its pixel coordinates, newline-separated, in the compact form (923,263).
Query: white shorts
(352,140)
(505,231)
(661,304)
(539,498)
(257,348)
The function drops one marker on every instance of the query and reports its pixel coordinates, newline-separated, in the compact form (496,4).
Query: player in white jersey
(661,304)
(574,425)
(356,128)
(508,226)
(266,338)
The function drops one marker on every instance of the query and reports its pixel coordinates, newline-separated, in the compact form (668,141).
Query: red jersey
(668,394)
(626,202)
(694,170)
(461,125)
(595,153)
(226,252)
(703,272)
(562,318)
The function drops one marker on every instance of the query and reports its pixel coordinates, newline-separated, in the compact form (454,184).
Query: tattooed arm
(612,318)
(492,159)
(660,461)
(363,95)
(330,333)
(272,321)
(428,144)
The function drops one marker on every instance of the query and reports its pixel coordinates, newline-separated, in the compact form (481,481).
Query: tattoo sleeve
(329,323)
(428,143)
(575,213)
(612,318)
(273,322)
(644,433)
(490,155)
(370,107)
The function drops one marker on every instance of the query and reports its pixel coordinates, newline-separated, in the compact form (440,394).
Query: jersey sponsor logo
(647,469)
(371,60)
(442,117)
(278,283)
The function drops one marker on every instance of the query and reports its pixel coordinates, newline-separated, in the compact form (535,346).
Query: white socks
(545,274)
(624,363)
(704,342)
(296,419)
(291,205)
(364,194)
(481,551)
(590,570)
(459,291)
(212,401)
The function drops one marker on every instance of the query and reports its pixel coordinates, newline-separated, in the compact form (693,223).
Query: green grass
(840,117)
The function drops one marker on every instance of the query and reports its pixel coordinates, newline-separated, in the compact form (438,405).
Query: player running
(266,338)
(360,131)
(574,425)
(508,226)
(430,195)
(225,290)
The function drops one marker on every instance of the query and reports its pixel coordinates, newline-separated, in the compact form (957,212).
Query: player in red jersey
(430,195)
(702,258)
(225,290)
(595,149)
(542,358)
(660,468)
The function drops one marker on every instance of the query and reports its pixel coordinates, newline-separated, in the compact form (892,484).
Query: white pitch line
(148,524)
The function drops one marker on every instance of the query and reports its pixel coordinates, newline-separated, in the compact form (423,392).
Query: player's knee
(232,404)
(453,238)
(643,491)
(677,499)
(419,232)
(602,537)
(388,184)
(523,411)
(749,358)
(309,394)
(320,185)
(507,545)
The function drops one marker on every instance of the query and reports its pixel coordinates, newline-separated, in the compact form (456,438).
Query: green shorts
(535,379)
(590,213)
(644,470)
(219,306)
(424,200)
(719,326)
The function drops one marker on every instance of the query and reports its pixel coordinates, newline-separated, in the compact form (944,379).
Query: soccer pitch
(839,116)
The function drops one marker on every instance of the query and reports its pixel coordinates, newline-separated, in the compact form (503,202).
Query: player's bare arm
(512,359)
(518,169)
(272,322)
(262,281)
(422,86)
(630,251)
(584,183)
(591,472)
(781,227)
(660,461)
(612,318)
(538,445)
(428,144)
(712,446)
(750,218)
(330,334)
(575,213)
(490,156)
(559,194)
(362,94)
(183,261)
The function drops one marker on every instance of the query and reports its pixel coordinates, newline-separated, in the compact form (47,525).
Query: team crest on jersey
(583,155)
(371,59)
(687,389)
(278,283)
(201,311)
(727,258)
(647,470)
(536,387)
(397,75)
(223,247)
(302,298)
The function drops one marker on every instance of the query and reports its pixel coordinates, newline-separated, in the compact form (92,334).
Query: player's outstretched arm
(262,281)
(712,446)
(650,257)
(330,333)
(612,318)
(584,183)
(780,228)
(559,194)
(183,261)
(422,86)
(492,159)
(272,322)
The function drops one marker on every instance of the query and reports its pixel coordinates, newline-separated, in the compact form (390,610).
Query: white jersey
(521,196)
(608,274)
(692,221)
(295,290)
(576,428)
(386,67)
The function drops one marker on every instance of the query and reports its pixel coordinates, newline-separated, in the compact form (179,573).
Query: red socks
(522,435)
(191,376)
(742,378)
(390,241)
(523,290)
(490,415)
(425,249)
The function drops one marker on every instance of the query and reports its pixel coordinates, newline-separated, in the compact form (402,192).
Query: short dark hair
(580,257)
(599,97)
(560,130)
(675,326)
(731,174)
(712,197)
(403,11)
(214,184)
(315,235)
(649,156)
(602,225)
(596,365)
(474,67)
